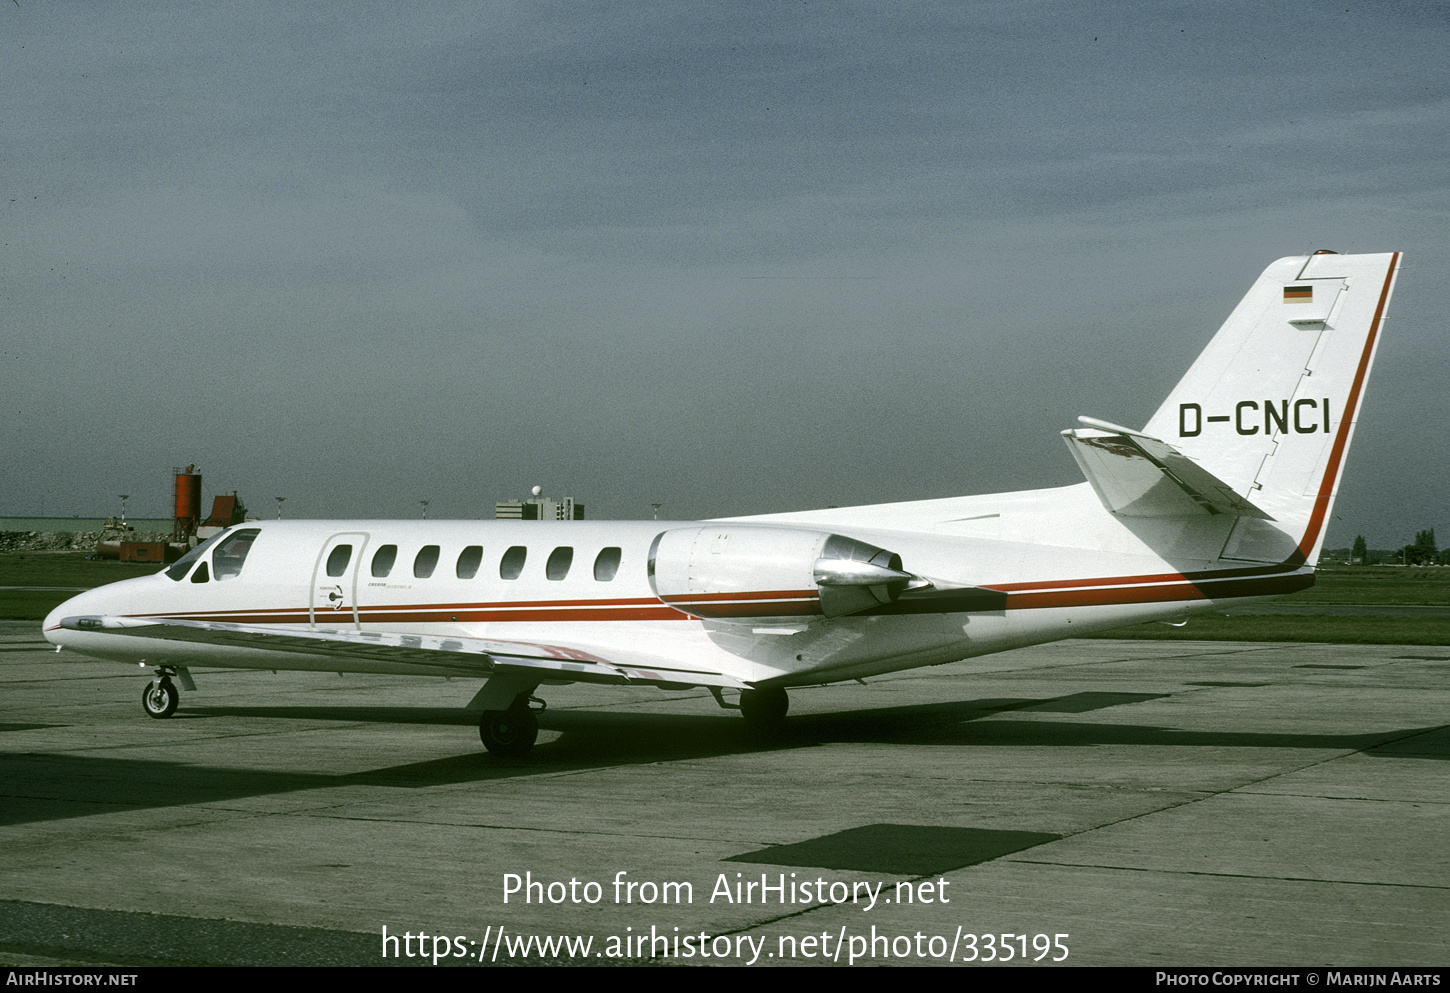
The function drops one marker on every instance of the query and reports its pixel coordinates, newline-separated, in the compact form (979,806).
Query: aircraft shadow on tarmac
(44,787)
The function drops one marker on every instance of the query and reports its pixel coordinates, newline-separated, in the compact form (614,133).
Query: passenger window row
(510,566)
(231,553)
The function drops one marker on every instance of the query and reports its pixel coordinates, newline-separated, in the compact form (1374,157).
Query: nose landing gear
(161,695)
(160,698)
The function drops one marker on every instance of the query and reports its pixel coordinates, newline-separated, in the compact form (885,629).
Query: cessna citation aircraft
(1221,498)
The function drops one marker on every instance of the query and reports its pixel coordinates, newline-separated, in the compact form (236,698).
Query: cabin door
(334,581)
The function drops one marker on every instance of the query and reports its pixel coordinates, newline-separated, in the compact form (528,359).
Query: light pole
(425,508)
(656,507)
(279,506)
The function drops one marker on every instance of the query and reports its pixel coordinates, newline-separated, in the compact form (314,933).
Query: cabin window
(426,561)
(606,564)
(338,560)
(383,560)
(559,561)
(200,575)
(227,561)
(512,562)
(468,561)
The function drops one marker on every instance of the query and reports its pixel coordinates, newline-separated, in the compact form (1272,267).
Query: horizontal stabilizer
(443,655)
(1138,476)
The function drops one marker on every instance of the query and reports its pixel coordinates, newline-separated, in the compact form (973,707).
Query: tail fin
(1269,407)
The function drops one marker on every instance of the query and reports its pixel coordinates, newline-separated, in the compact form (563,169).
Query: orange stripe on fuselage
(1160,588)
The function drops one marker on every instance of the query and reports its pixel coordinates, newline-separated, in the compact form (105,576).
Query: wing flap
(447,656)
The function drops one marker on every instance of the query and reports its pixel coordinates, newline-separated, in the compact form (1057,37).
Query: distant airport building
(539,508)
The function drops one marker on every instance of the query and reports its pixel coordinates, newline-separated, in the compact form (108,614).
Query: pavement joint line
(201,738)
(1229,875)
(56,679)
(67,957)
(526,828)
(1205,795)
(1334,758)
(122,807)
(1352,799)
(916,674)
(243,814)
(1341,753)
(66,951)
(234,816)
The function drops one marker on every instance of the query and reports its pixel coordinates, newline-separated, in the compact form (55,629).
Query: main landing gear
(764,707)
(160,698)
(510,733)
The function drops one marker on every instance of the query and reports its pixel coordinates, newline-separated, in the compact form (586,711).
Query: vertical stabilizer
(1269,407)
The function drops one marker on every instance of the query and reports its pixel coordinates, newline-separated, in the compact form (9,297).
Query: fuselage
(585,582)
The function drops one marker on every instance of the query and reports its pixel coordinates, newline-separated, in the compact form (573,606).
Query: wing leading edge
(444,656)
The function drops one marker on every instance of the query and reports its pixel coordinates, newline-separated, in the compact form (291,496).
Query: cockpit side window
(227,560)
(182,566)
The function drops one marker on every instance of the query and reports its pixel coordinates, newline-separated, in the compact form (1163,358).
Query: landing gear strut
(160,698)
(765,707)
(509,733)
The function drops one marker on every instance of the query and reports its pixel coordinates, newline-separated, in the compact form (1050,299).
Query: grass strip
(1316,628)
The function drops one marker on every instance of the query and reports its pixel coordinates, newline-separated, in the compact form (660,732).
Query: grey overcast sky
(730,257)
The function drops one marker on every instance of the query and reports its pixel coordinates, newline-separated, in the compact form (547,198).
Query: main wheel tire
(764,707)
(509,733)
(160,699)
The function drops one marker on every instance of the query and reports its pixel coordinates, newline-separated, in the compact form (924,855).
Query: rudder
(1269,407)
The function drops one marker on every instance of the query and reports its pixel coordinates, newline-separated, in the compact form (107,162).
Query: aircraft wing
(1138,476)
(479,657)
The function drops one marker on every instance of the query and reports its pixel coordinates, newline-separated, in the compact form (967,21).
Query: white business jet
(1220,499)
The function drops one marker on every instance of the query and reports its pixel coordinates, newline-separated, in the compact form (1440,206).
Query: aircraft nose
(74,607)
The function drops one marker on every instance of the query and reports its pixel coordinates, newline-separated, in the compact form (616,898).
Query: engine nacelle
(742,571)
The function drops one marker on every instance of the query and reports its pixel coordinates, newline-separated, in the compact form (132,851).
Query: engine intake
(744,571)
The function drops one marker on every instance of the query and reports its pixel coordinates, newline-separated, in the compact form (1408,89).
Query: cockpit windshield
(231,551)
(182,566)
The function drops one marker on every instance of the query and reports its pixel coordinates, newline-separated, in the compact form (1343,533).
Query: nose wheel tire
(764,708)
(160,699)
(509,733)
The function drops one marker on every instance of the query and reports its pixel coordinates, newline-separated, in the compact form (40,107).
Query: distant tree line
(1422,551)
